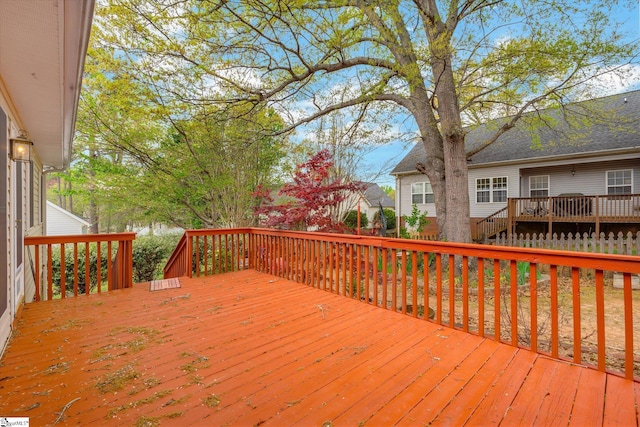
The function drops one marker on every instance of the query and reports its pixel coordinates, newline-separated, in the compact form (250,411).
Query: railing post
(597,202)
(550,204)
(510,216)
(188,263)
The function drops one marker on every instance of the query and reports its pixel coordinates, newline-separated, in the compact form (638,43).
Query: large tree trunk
(458,228)
(434,161)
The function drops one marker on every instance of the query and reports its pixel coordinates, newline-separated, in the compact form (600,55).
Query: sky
(387,156)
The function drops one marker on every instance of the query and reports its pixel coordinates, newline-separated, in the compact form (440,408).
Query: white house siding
(62,223)
(512,172)
(589,178)
(403,196)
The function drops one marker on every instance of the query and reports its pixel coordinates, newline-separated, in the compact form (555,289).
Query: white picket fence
(621,244)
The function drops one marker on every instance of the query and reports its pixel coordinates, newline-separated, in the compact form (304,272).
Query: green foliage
(351,220)
(150,254)
(390,216)
(416,221)
(70,268)
(522,273)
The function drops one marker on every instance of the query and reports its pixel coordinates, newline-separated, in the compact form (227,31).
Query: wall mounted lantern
(20,148)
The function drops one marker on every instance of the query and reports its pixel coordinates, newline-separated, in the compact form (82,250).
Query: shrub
(390,216)
(351,220)
(150,254)
(81,267)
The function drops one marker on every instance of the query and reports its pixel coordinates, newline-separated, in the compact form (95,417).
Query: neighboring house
(43,44)
(370,200)
(61,222)
(156,229)
(534,181)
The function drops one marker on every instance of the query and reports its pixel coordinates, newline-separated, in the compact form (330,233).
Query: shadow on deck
(247,348)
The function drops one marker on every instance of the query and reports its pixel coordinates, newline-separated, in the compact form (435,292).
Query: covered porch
(553,212)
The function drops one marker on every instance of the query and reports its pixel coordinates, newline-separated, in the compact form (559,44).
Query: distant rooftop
(596,126)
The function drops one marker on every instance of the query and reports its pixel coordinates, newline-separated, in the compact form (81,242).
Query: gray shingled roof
(375,195)
(616,126)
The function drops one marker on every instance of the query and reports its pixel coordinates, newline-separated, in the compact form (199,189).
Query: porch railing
(562,304)
(88,263)
(576,208)
(492,225)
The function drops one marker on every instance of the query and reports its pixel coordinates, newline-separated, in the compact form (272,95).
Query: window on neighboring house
(421,192)
(539,186)
(491,190)
(619,182)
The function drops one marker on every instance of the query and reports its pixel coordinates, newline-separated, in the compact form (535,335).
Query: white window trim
(606,181)
(491,189)
(424,193)
(548,184)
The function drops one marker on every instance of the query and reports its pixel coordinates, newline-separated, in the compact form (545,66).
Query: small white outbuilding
(61,222)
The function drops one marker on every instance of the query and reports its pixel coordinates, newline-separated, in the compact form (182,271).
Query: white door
(6,232)
(18,237)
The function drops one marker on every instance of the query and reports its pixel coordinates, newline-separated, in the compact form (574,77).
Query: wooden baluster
(452,290)
(600,320)
(513,265)
(425,285)
(403,282)
(36,279)
(414,282)
(553,273)
(481,297)
(344,269)
(121,246)
(99,267)
(87,269)
(577,337)
(50,271)
(394,279)
(496,298)
(358,270)
(63,273)
(367,266)
(75,269)
(465,294)
(628,327)
(533,292)
(375,275)
(385,278)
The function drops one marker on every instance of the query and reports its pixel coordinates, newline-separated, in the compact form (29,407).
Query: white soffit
(42,49)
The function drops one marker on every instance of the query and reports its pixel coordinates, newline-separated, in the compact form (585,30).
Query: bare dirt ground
(613,316)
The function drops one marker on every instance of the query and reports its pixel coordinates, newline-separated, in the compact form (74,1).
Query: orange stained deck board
(247,348)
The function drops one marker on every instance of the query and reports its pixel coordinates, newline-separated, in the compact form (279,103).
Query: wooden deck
(247,348)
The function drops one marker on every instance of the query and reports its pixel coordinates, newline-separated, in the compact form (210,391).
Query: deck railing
(598,209)
(562,304)
(88,263)
(492,225)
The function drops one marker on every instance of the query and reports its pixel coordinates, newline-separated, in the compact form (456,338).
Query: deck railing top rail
(90,263)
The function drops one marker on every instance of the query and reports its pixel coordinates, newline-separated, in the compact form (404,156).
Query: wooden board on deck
(246,348)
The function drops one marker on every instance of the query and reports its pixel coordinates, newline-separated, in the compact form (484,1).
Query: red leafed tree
(312,201)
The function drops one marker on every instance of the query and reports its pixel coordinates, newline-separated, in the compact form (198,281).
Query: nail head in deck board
(274,350)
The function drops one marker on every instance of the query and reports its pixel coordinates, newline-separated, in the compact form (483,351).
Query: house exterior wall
(511,172)
(403,197)
(589,179)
